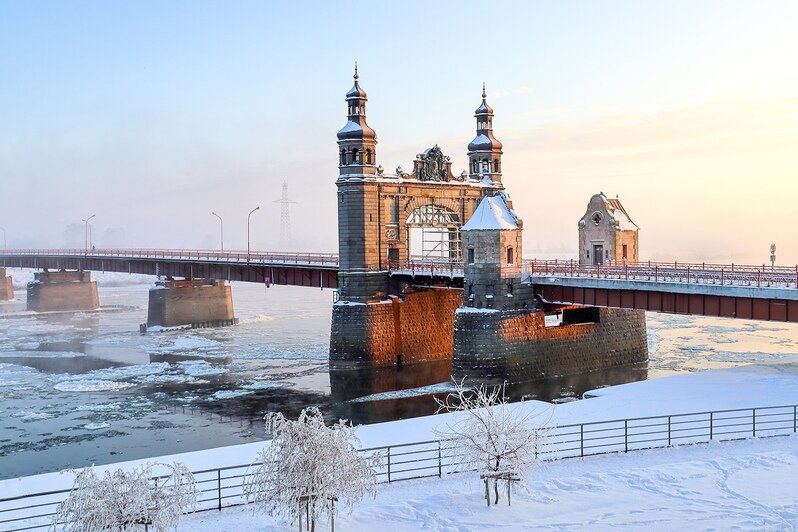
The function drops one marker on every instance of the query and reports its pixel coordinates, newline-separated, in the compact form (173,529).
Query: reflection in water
(346,385)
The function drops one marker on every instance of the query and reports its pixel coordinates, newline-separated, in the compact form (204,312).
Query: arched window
(368,157)
(343,157)
(355,155)
(496,164)
(510,256)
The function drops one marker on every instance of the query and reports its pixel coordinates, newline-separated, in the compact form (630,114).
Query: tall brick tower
(361,273)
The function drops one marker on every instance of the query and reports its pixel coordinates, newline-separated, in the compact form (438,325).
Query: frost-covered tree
(310,468)
(122,501)
(487,434)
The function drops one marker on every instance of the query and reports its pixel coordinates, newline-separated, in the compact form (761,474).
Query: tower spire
(357,142)
(485,151)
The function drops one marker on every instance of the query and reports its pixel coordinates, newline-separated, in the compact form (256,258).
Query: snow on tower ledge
(492,213)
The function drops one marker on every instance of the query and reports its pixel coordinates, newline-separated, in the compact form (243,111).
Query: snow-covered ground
(748,485)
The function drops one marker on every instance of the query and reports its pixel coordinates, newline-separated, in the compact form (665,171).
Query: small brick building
(607,233)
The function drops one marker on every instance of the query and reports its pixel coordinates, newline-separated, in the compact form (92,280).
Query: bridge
(472,298)
(722,290)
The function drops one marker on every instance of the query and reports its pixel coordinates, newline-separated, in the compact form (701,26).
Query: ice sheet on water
(129,372)
(443,387)
(91,385)
(260,318)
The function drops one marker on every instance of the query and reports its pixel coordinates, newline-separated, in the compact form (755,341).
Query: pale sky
(153,114)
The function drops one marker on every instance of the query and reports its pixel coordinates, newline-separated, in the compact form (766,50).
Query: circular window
(597,217)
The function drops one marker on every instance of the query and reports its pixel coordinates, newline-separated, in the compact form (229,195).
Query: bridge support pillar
(6,287)
(63,290)
(517,345)
(191,302)
(394,331)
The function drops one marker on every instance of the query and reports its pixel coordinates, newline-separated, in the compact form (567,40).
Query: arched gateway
(389,218)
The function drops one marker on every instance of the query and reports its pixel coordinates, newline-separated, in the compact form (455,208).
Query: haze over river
(82,388)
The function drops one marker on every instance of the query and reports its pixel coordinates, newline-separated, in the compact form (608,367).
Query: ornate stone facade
(607,233)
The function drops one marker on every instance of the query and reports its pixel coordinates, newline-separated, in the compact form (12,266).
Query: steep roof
(492,213)
(615,208)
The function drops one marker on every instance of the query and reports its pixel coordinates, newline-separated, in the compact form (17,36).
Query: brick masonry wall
(420,328)
(194,302)
(66,296)
(517,346)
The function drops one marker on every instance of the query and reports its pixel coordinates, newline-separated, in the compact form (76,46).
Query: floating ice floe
(200,368)
(100,407)
(33,416)
(91,385)
(96,426)
(229,394)
(443,387)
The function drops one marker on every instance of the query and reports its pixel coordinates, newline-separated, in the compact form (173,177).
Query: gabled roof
(492,213)
(615,208)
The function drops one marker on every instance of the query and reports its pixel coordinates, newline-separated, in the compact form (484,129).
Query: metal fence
(671,272)
(222,487)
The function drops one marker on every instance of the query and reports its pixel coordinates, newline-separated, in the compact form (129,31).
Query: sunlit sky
(153,114)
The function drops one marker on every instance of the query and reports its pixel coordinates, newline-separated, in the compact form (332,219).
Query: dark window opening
(624,252)
(510,256)
(580,315)
(471,255)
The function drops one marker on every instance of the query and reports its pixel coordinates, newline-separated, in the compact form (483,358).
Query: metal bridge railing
(222,487)
(673,272)
(204,255)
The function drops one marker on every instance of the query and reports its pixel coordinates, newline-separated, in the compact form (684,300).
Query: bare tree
(485,433)
(122,501)
(310,468)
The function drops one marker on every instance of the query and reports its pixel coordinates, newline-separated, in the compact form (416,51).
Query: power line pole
(285,218)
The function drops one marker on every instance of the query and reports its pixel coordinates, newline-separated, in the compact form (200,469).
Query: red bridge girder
(670,302)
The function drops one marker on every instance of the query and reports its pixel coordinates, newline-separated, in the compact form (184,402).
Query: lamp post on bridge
(86,233)
(4,237)
(248,218)
(772,257)
(221,228)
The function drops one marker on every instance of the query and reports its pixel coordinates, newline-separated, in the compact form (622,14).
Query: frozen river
(88,388)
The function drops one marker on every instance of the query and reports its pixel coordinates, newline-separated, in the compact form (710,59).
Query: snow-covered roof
(617,211)
(492,213)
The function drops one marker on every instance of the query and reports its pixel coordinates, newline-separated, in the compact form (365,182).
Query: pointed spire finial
(356,76)
(484,94)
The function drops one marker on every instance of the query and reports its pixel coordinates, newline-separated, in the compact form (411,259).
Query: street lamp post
(248,218)
(86,232)
(4,237)
(221,228)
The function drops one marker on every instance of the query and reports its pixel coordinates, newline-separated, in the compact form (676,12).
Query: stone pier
(62,291)
(6,286)
(517,345)
(418,327)
(191,302)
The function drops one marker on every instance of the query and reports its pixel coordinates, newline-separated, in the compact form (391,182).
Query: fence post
(219,486)
(389,465)
(582,440)
(753,417)
(669,431)
(710,425)
(440,466)
(626,435)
